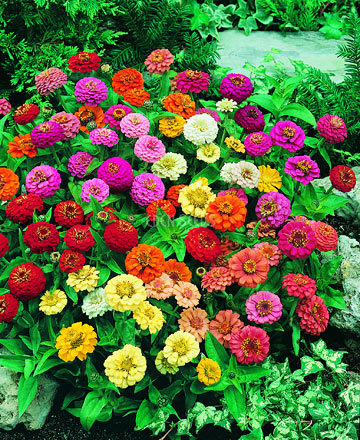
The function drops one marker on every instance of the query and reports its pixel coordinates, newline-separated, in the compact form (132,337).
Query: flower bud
(91,125)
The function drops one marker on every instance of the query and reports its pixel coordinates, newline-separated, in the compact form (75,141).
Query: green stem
(55,156)
(224,132)
(61,101)
(28,164)
(102,151)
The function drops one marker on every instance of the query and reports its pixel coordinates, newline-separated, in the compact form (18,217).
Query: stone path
(236,48)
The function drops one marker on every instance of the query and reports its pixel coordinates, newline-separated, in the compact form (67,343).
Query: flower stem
(224,131)
(55,156)
(61,101)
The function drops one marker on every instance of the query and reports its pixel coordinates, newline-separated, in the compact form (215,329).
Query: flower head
(68,213)
(273,208)
(148,317)
(210,112)
(250,118)
(95,303)
(270,251)
(224,325)
(269,179)
(146,188)
(46,134)
(326,236)
(160,288)
(218,278)
(226,213)
(172,126)
(195,322)
(79,238)
(201,129)
(90,91)
(41,237)
(313,314)
(89,113)
(250,345)
(163,366)
(84,62)
(263,307)
(97,188)
(249,267)
(173,194)
(288,135)
(202,244)
(68,122)
(49,80)
(149,149)
(76,341)
(79,162)
(171,166)
(209,371)
(237,87)
(159,61)
(104,136)
(195,198)
(332,128)
(226,105)
(242,173)
(43,180)
(342,178)
(26,113)
(71,261)
(9,307)
(296,240)
(85,278)
(145,261)
(116,173)
(165,205)
(21,209)
(125,292)
(257,143)
(180,348)
(114,115)
(177,271)
(236,192)
(186,294)
(299,285)
(180,104)
(134,125)
(192,81)
(26,281)
(235,144)
(136,97)
(302,168)
(126,79)
(5,106)
(208,153)
(22,145)
(53,303)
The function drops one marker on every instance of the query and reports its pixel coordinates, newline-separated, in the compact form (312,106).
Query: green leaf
(45,364)
(298,111)
(112,264)
(145,414)
(35,338)
(15,363)
(235,401)
(264,101)
(197,387)
(250,373)
(16,346)
(216,351)
(93,404)
(324,153)
(253,435)
(296,338)
(310,365)
(210,172)
(334,298)
(154,394)
(328,269)
(26,392)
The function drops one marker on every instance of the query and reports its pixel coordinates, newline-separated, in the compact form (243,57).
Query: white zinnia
(226,105)
(201,129)
(95,304)
(245,174)
(226,173)
(208,153)
(171,166)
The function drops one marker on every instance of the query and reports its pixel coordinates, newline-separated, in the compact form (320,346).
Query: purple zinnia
(104,136)
(302,168)
(236,86)
(250,118)
(78,163)
(273,208)
(43,181)
(117,173)
(114,115)
(263,307)
(91,91)
(46,134)
(134,125)
(149,148)
(238,192)
(332,128)
(69,123)
(257,144)
(210,112)
(97,188)
(147,188)
(192,81)
(5,106)
(288,135)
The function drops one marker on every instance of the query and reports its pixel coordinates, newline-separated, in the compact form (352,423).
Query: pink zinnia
(270,251)
(238,192)
(263,307)
(95,187)
(250,118)
(210,112)
(332,128)
(49,80)
(250,345)
(296,240)
(273,208)
(326,236)
(46,134)
(5,106)
(302,168)
(192,81)
(149,148)
(104,136)
(146,188)
(114,115)
(79,162)
(90,91)
(297,284)
(43,181)
(236,86)
(159,61)
(257,144)
(313,314)
(160,288)
(69,123)
(288,135)
(225,323)
(216,279)
(117,173)
(134,125)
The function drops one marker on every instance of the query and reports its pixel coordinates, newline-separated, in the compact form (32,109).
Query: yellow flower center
(206,241)
(193,74)
(304,166)
(60,119)
(86,116)
(257,138)
(336,122)
(198,198)
(84,57)
(91,85)
(39,176)
(181,348)
(125,288)
(126,364)
(113,168)
(43,232)
(118,114)
(298,238)
(252,114)
(22,109)
(249,266)
(225,208)
(3,306)
(44,127)
(288,132)
(250,345)
(21,275)
(237,80)
(300,280)
(264,307)
(268,207)
(75,339)
(157,57)
(224,328)
(149,184)
(143,258)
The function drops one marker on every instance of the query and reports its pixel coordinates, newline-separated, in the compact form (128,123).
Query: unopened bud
(102,216)
(55,257)
(91,125)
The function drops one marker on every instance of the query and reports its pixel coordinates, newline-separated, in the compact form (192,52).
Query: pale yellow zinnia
(195,198)
(85,278)
(52,304)
(269,180)
(125,367)
(208,153)
(149,317)
(180,348)
(163,365)
(209,371)
(125,292)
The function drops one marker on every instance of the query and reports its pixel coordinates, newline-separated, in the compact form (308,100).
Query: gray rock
(35,415)
(310,47)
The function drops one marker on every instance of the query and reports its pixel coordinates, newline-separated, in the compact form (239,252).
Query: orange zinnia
(145,262)
(127,79)
(180,104)
(177,271)
(226,213)
(249,267)
(9,184)
(89,113)
(22,145)
(136,97)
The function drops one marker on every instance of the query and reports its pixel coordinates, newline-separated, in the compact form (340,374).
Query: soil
(344,226)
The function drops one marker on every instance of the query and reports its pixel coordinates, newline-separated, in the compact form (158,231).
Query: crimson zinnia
(202,244)
(26,281)
(41,237)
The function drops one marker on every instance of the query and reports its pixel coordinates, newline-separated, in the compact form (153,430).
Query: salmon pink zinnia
(226,323)
(249,267)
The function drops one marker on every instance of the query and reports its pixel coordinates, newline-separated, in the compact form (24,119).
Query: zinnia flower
(79,162)
(114,115)
(126,79)
(26,113)
(9,184)
(192,81)
(302,168)
(9,307)
(299,285)
(79,238)
(177,271)
(296,240)
(165,205)
(160,288)
(5,106)
(68,213)
(264,229)
(226,213)
(53,303)
(313,314)
(208,153)
(263,307)
(146,188)
(120,236)
(326,236)
(26,281)
(49,80)
(269,179)
(181,348)
(41,237)
(332,128)
(125,292)
(226,105)
(257,144)
(136,97)
(180,104)
(148,317)
(236,192)
(273,208)
(21,145)
(186,294)
(68,122)
(249,267)
(43,181)
(342,178)
(244,174)
(116,173)
(250,345)
(145,261)
(159,61)
(270,251)
(90,91)
(201,129)
(104,136)
(21,209)
(125,367)
(195,322)
(237,87)
(216,279)
(224,325)
(46,134)
(172,126)
(89,113)
(134,125)
(71,261)
(95,304)
(149,148)
(250,118)
(163,366)
(85,62)
(171,166)
(288,135)
(209,371)
(76,341)
(235,144)
(97,188)
(85,278)
(195,198)
(210,112)
(173,194)
(202,244)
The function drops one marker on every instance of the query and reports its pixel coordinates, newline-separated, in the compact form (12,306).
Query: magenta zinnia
(296,240)
(288,135)
(273,208)
(302,168)
(332,128)
(263,307)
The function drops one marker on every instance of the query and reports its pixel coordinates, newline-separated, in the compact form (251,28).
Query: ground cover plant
(161,247)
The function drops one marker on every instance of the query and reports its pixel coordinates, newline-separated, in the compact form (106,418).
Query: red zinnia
(342,178)
(26,113)
(173,194)
(9,307)
(21,209)
(85,62)
(79,238)
(326,236)
(299,285)
(41,237)
(202,244)
(165,205)
(26,281)
(71,261)
(250,345)
(313,314)
(121,236)
(4,245)
(68,213)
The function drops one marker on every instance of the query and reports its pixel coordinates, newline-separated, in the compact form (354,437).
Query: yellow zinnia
(52,304)
(195,198)
(172,126)
(125,292)
(180,348)
(125,367)
(83,279)
(269,180)
(235,144)
(163,365)
(209,371)
(149,317)
(208,153)
(76,341)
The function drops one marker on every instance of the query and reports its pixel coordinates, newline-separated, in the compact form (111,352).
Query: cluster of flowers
(149,275)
